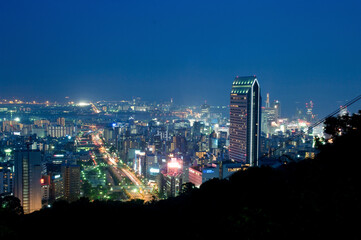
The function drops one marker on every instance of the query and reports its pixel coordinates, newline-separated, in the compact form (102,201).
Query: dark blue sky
(188,50)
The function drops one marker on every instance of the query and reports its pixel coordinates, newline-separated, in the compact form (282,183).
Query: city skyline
(300,51)
(162,118)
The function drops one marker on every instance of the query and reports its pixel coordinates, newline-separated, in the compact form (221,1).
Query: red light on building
(195,176)
(175,165)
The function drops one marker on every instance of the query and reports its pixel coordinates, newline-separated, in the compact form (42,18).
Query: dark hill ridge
(311,199)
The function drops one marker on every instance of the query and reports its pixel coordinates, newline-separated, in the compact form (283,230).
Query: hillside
(317,198)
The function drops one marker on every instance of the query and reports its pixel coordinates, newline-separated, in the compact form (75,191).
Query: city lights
(83,104)
(174,164)
(180,119)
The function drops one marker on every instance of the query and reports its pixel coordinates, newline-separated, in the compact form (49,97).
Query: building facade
(61,131)
(6,178)
(27,184)
(71,181)
(245,116)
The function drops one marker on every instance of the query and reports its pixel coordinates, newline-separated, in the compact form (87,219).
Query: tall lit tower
(267,101)
(245,116)
(27,185)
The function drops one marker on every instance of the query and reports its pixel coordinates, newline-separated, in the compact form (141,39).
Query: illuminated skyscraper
(245,128)
(27,185)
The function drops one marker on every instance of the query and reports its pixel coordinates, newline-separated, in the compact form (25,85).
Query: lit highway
(120,170)
(94,108)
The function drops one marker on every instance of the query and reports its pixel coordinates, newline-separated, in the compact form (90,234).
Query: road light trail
(140,192)
(95,109)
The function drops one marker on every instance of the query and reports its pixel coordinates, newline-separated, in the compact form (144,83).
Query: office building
(71,181)
(27,184)
(61,131)
(245,116)
(6,178)
(270,115)
(172,184)
(195,176)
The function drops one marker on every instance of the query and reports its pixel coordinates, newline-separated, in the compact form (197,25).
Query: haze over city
(157,50)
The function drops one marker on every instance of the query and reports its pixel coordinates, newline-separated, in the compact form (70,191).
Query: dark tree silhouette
(11,204)
(336,126)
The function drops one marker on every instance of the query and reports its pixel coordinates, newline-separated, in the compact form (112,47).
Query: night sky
(188,50)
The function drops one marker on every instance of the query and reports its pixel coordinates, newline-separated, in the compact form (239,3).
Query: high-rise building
(277,107)
(267,101)
(27,184)
(195,175)
(245,116)
(309,115)
(173,184)
(6,178)
(61,131)
(172,178)
(270,115)
(71,180)
(205,110)
(61,121)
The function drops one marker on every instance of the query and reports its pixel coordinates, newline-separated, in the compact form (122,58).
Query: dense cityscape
(148,155)
(132,149)
(180,119)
